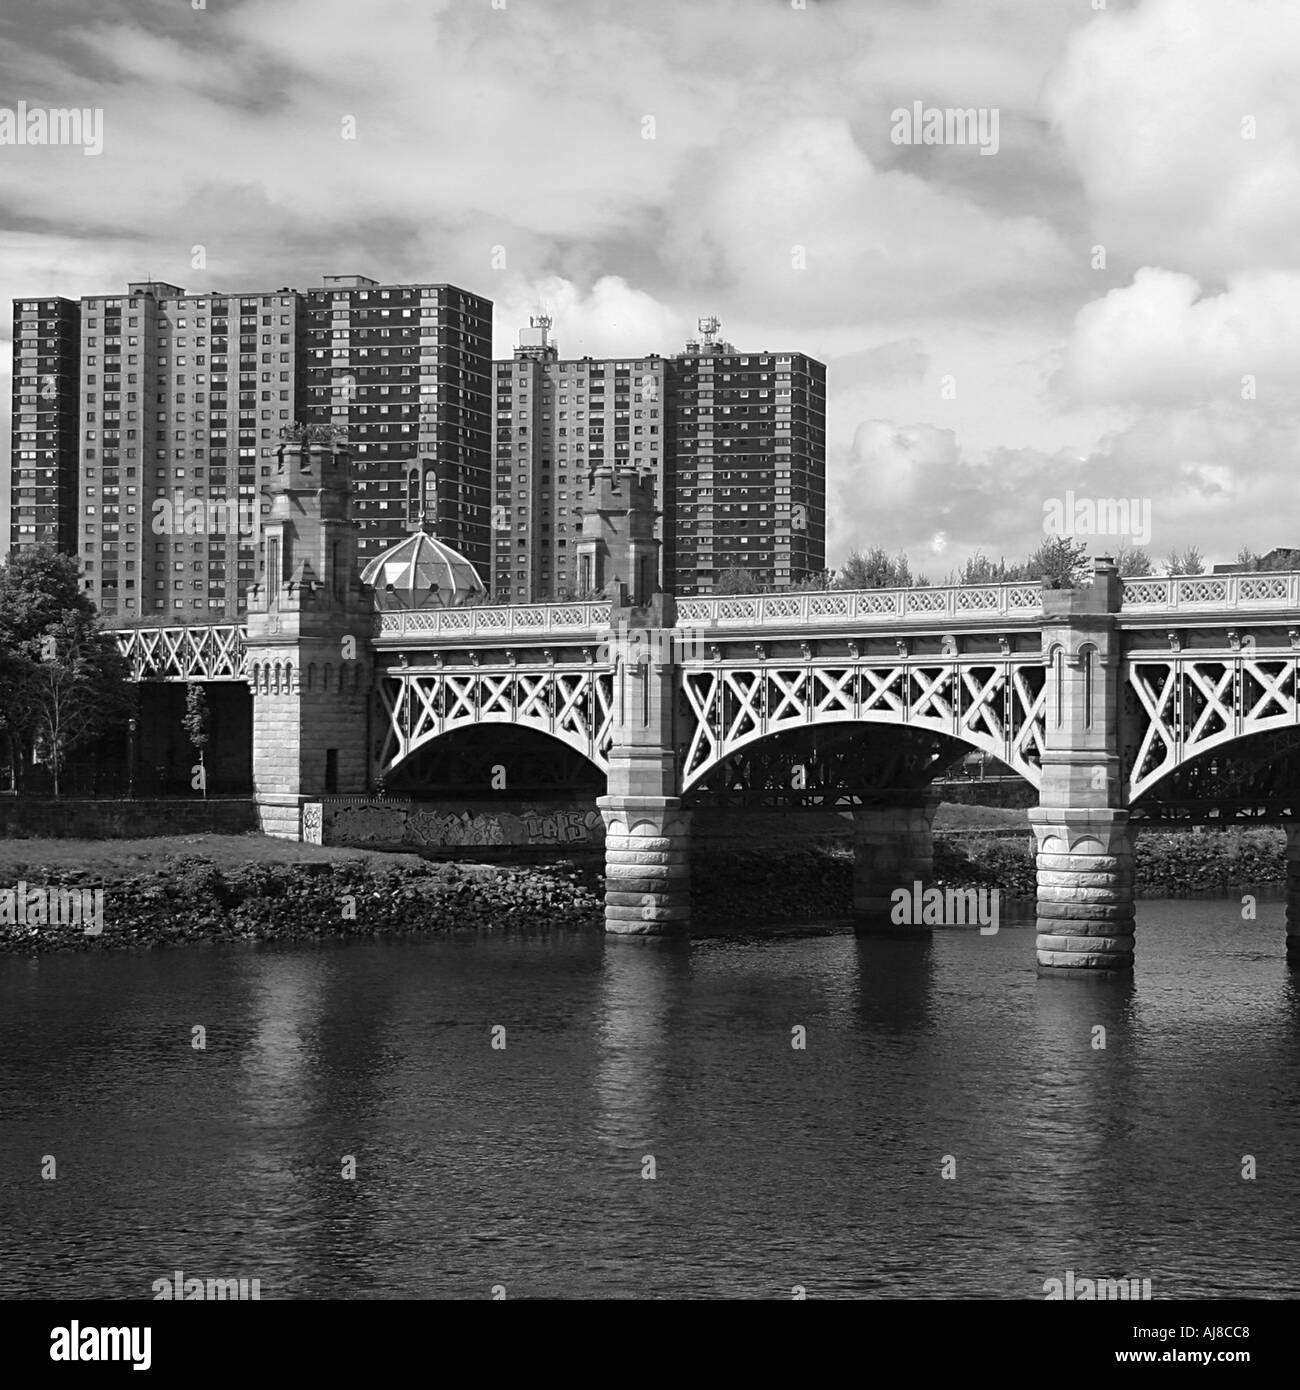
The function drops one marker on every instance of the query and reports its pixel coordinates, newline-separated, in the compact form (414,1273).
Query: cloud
(611,319)
(903,359)
(1157,341)
(794,214)
(1214,476)
(509,151)
(1153,106)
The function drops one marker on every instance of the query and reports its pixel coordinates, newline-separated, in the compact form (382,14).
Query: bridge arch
(1254,774)
(490,761)
(1178,709)
(1030,771)
(572,706)
(992,706)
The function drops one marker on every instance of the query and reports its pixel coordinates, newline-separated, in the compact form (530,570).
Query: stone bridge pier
(647,833)
(893,847)
(1085,852)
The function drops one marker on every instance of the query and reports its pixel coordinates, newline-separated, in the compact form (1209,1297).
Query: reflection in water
(894,978)
(821,1164)
(641,980)
(1080,1113)
(285,1005)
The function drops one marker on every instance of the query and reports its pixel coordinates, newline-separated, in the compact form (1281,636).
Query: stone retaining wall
(390,824)
(80,818)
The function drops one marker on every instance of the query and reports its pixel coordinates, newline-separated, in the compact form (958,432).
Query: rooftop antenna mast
(709,328)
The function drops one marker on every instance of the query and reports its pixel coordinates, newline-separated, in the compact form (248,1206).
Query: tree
(1060,562)
(1185,561)
(979,569)
(195,724)
(72,691)
(38,585)
(737,581)
(874,570)
(1132,561)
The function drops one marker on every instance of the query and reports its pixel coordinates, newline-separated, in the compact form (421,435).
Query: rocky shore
(194,900)
(191,898)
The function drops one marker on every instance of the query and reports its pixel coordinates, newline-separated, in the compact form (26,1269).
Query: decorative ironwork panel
(185,653)
(996,706)
(572,705)
(1182,706)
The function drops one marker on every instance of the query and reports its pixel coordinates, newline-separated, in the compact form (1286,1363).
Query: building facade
(747,466)
(735,443)
(164,413)
(556,420)
(43,453)
(181,400)
(406,371)
(146,426)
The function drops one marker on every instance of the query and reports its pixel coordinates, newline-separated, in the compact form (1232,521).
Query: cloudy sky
(1108,302)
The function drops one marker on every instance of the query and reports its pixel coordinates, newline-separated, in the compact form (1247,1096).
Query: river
(525,1166)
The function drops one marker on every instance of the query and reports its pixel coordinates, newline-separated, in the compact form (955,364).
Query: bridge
(1122,702)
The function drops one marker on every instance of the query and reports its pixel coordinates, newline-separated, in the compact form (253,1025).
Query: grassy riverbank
(178,889)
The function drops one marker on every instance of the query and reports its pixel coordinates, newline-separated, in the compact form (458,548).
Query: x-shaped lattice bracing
(929,702)
(883,694)
(838,689)
(768,700)
(524,698)
(786,690)
(980,709)
(1166,689)
(1272,692)
(200,653)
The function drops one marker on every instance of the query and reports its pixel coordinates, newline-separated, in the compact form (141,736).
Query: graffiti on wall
(374,823)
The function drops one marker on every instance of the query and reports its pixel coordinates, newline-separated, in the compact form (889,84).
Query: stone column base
(280,816)
(893,848)
(647,865)
(1293,893)
(1085,890)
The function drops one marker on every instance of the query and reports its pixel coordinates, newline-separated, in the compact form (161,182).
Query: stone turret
(618,554)
(308,645)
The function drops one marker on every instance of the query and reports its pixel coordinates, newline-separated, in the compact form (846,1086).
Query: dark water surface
(773,1167)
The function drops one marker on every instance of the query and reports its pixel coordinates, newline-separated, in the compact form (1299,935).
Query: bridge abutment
(893,848)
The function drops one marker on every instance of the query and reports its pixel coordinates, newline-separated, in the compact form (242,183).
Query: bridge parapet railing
(881,606)
(1192,592)
(492,620)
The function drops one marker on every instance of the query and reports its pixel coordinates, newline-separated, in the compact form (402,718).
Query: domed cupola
(422,572)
